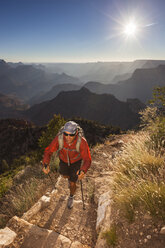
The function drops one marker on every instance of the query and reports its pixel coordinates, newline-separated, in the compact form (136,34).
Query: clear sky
(81,30)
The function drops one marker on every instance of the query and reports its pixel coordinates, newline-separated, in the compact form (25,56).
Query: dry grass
(25,191)
(139,179)
(24,196)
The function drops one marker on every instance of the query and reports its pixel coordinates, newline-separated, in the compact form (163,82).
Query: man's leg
(72,192)
(72,188)
(63,169)
(73,179)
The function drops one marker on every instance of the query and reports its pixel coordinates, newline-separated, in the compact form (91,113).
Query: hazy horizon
(78,62)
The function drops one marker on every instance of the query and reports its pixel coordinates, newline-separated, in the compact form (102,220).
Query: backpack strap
(78,143)
(61,144)
(60,141)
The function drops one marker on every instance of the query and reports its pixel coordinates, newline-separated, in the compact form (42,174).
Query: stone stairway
(51,224)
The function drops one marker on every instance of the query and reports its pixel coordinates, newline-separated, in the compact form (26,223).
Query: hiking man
(74,155)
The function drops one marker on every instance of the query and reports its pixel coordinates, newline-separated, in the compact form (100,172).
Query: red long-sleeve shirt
(69,152)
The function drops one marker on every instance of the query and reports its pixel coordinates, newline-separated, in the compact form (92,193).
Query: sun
(130,29)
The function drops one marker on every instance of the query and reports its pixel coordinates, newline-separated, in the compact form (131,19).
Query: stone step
(32,236)
(72,223)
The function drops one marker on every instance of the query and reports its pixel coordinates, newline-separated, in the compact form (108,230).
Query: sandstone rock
(43,202)
(104,202)
(64,242)
(7,236)
(38,237)
(32,211)
(105,155)
(77,244)
(101,243)
(162,231)
(102,185)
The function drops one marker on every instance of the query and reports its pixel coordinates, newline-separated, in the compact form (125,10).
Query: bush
(138,179)
(25,197)
(146,196)
(5,184)
(153,118)
(52,129)
(5,166)
(154,123)
(111,236)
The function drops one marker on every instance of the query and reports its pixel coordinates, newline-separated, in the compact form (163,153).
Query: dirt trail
(56,225)
(76,224)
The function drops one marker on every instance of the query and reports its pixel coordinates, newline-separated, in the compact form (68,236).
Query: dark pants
(70,171)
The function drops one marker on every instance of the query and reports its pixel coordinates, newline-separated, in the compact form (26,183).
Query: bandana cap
(70,127)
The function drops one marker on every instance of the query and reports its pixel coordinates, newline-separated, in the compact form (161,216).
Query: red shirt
(68,152)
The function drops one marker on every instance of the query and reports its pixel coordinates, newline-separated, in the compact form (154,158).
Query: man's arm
(86,156)
(53,147)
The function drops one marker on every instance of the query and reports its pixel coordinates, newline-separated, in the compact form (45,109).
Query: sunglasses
(69,134)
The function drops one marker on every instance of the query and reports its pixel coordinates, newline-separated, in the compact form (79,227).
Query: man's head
(70,129)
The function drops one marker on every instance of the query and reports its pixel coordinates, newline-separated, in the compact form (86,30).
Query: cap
(70,127)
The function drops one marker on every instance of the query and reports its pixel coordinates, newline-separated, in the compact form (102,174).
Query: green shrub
(153,118)
(158,97)
(5,166)
(5,184)
(110,236)
(52,129)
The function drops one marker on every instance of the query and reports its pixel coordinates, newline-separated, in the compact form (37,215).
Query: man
(73,164)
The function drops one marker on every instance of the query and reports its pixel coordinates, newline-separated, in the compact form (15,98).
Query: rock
(102,185)
(65,242)
(147,217)
(162,231)
(121,142)
(104,202)
(105,155)
(148,236)
(38,237)
(45,201)
(77,244)
(7,236)
(101,243)
(32,211)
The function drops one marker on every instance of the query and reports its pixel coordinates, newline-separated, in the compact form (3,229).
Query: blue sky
(81,30)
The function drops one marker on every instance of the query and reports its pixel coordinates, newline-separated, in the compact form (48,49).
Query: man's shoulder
(84,141)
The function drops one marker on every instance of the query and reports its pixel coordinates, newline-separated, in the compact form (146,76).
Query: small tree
(52,129)
(153,118)
(158,97)
(5,166)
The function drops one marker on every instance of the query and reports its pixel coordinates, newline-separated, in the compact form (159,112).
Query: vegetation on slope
(139,177)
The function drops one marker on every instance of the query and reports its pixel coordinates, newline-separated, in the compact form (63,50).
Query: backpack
(61,143)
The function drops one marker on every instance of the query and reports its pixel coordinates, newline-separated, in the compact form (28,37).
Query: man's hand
(46,169)
(80,174)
